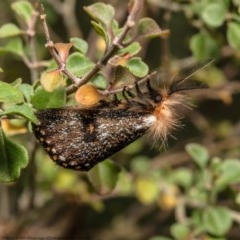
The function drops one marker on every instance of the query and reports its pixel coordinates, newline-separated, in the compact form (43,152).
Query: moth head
(168,106)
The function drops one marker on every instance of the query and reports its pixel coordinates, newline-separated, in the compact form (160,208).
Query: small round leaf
(179,231)
(198,153)
(23,110)
(78,64)
(217,220)
(100,12)
(137,67)
(51,80)
(43,99)
(159,238)
(233,35)
(183,177)
(229,172)
(214,14)
(15,46)
(80,44)
(148,28)
(147,190)
(134,48)
(13,157)
(9,30)
(104,176)
(24,9)
(10,94)
(204,46)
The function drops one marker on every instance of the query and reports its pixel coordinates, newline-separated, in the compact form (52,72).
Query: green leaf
(196,219)
(10,94)
(122,77)
(16,82)
(133,148)
(228,173)
(99,81)
(104,176)
(204,46)
(137,67)
(100,12)
(9,30)
(159,238)
(24,9)
(146,190)
(64,180)
(233,35)
(217,220)
(134,48)
(100,30)
(148,28)
(13,157)
(235,17)
(214,14)
(237,198)
(23,110)
(124,184)
(198,153)
(43,99)
(179,231)
(14,45)
(183,177)
(140,164)
(80,44)
(51,80)
(78,64)
(27,91)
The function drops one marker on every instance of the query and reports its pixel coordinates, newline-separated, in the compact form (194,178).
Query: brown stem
(30,32)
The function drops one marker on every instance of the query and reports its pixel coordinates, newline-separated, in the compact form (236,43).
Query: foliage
(201,196)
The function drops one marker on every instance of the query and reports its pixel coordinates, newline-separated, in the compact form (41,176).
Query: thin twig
(32,61)
(50,46)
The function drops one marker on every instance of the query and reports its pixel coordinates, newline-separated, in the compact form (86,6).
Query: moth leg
(153,93)
(149,87)
(139,93)
(130,93)
(116,101)
(124,94)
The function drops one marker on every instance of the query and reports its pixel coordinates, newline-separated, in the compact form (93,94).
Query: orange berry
(88,95)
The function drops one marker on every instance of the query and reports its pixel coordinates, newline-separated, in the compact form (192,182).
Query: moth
(79,138)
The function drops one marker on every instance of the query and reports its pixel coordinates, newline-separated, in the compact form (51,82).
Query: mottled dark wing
(79,139)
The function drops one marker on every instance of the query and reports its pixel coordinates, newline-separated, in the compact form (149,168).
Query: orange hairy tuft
(167,116)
